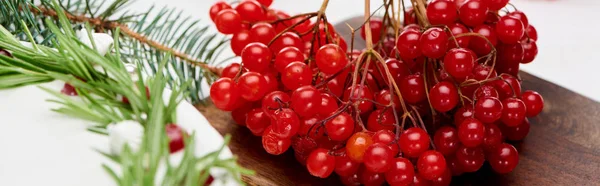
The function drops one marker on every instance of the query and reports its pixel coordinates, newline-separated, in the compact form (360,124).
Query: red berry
(431,164)
(216,8)
(471,132)
(257,121)
(331,59)
(308,128)
(224,94)
(266,3)
(530,50)
(509,57)
(446,140)
(340,127)
(413,89)
(256,57)
(486,91)
(362,94)
(273,144)
(441,12)
(381,120)
(517,133)
(434,42)
(497,4)
(252,86)
(443,96)
(470,159)
(320,163)
(369,178)
(513,112)
(378,158)
(328,104)
(306,100)
(488,110)
(344,166)
(507,86)
(492,137)
(455,30)
(376,29)
(398,69)
(239,115)
(414,141)
(228,21)
(385,98)
(286,123)
(510,30)
(459,63)
(251,11)
(531,33)
(356,146)
(231,70)
(443,180)
(410,16)
(419,180)
(288,39)
(473,13)
(176,137)
(401,172)
(504,158)
(408,44)
(239,41)
(69,90)
(389,138)
(262,33)
(520,16)
(481,72)
(463,113)
(296,74)
(479,45)
(533,102)
(286,56)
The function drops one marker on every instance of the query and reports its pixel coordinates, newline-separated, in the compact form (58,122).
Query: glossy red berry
(357,144)
(252,86)
(231,70)
(410,16)
(311,127)
(385,98)
(262,33)
(176,137)
(239,41)
(446,140)
(530,50)
(533,102)
(408,44)
(531,33)
(286,56)
(413,89)
(228,21)
(463,113)
(266,3)
(443,180)
(520,16)
(431,164)
(330,59)
(376,30)
(510,30)
(273,144)
(378,158)
(320,163)
(397,68)
(488,110)
(295,75)
(513,112)
(456,29)
(492,137)
(388,138)
(344,166)
(340,127)
(306,100)
(362,94)
(274,101)
(441,12)
(471,132)
(401,172)
(286,123)
(479,45)
(507,86)
(414,141)
(485,91)
(381,120)
(256,57)
(473,12)
(434,42)
(443,96)
(470,159)
(482,72)
(288,39)
(496,4)
(257,121)
(509,57)
(369,178)
(216,8)
(225,94)
(459,63)
(517,133)
(504,158)
(251,11)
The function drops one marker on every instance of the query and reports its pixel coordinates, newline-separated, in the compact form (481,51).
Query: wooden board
(562,148)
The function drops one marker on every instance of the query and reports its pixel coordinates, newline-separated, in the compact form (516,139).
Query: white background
(568,33)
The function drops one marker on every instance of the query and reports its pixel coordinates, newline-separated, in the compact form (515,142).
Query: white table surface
(567,29)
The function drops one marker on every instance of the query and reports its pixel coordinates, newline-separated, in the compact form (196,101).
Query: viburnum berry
(414,141)
(286,56)
(531,33)
(295,75)
(434,42)
(517,133)
(389,138)
(507,86)
(273,144)
(376,29)
(370,178)
(446,140)
(488,109)
(228,21)
(381,120)
(443,180)
(520,16)
(453,165)
(493,136)
(510,30)
(470,159)
(513,112)
(410,16)
(362,94)
(251,11)
(378,158)
(533,102)
(479,45)
(504,158)
(344,166)
(225,94)
(398,69)
(256,57)
(485,91)
(511,56)
(401,172)
(455,30)
(176,137)
(530,50)
(431,164)
(340,127)
(413,89)
(357,144)
(496,4)
(463,113)
(239,114)
(239,40)
(309,127)
(443,96)
(306,100)
(459,63)
(473,12)
(408,44)
(328,104)
(266,3)
(231,70)
(252,86)
(216,8)
(262,33)
(286,123)
(385,98)
(320,163)
(442,12)
(482,72)
(287,39)
(272,82)
(330,59)
(471,132)
(257,121)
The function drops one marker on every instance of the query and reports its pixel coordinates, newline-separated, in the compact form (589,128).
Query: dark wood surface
(562,148)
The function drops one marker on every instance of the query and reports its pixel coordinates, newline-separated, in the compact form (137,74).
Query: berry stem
(421,12)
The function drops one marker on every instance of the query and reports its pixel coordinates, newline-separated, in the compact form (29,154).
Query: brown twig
(111,25)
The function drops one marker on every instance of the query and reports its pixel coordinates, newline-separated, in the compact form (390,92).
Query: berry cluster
(437,96)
